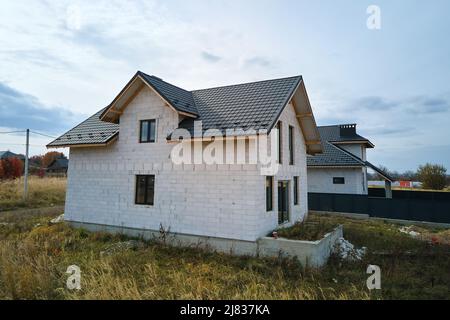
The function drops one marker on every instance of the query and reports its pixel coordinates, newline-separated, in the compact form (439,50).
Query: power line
(6,132)
(22,131)
(22,144)
(43,134)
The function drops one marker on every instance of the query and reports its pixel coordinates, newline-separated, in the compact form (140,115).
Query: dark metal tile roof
(250,105)
(254,105)
(90,131)
(332,133)
(179,98)
(333,155)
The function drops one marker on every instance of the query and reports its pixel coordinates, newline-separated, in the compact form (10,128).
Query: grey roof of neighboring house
(335,156)
(332,156)
(59,163)
(9,154)
(332,133)
(254,105)
(90,131)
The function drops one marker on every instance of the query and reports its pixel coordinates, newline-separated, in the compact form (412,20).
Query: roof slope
(180,99)
(90,131)
(332,156)
(254,105)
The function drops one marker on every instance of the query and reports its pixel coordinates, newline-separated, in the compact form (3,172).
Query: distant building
(9,154)
(58,166)
(342,167)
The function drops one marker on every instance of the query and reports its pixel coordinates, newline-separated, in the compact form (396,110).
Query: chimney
(347,130)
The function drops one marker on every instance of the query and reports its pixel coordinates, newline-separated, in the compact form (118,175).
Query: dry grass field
(42,192)
(34,256)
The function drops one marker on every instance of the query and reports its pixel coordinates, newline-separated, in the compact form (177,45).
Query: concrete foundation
(309,253)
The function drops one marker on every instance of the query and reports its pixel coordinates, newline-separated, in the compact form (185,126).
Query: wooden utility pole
(25,188)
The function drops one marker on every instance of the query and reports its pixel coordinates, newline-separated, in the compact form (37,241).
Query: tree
(11,168)
(48,158)
(432,176)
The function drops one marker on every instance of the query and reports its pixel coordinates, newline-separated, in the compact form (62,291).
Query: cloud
(409,106)
(388,130)
(373,103)
(210,57)
(429,105)
(257,61)
(20,110)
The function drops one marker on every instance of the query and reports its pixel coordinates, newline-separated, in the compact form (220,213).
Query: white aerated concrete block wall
(321,180)
(224,201)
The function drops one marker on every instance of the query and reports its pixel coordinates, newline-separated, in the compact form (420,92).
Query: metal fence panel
(421,208)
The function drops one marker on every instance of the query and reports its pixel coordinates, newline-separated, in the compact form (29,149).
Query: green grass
(33,262)
(42,192)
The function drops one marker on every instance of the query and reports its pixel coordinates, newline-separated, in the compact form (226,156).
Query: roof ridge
(245,83)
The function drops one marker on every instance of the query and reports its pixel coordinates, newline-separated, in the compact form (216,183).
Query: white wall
(321,180)
(355,148)
(211,200)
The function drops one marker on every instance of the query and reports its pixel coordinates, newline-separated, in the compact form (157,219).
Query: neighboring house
(9,154)
(122,173)
(58,166)
(342,167)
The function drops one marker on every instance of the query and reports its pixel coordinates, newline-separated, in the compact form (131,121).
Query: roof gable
(178,99)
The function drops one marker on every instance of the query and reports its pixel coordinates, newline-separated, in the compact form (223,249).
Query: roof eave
(87,144)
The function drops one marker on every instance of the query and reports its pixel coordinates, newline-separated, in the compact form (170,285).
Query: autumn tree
(432,176)
(11,168)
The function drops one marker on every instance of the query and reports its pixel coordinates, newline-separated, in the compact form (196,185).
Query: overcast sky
(63,61)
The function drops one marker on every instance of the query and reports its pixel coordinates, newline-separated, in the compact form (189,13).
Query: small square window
(338,180)
(147,131)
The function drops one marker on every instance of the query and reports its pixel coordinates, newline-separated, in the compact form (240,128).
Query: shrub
(432,176)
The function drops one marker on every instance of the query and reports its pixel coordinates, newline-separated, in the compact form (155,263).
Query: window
(147,131)
(280,141)
(291,145)
(295,190)
(145,189)
(269,193)
(338,180)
